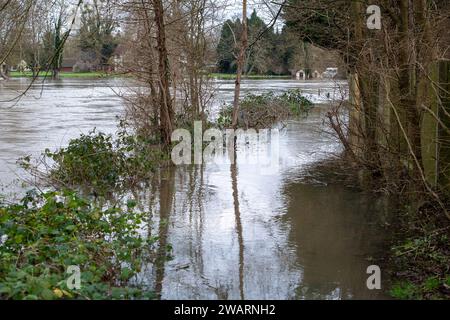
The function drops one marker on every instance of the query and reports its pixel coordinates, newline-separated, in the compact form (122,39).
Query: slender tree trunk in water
(166,109)
(58,47)
(55,74)
(240,64)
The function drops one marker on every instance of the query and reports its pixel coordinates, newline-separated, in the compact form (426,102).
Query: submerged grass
(264,110)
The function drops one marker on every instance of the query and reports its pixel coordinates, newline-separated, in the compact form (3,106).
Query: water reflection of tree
(334,231)
(237,213)
(166,199)
(196,216)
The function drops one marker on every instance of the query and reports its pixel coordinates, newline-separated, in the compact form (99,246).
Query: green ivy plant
(45,233)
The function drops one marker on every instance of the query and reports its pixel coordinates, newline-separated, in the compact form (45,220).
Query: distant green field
(72,75)
(227,76)
(17,74)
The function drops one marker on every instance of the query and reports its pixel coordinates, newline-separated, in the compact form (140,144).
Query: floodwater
(236,232)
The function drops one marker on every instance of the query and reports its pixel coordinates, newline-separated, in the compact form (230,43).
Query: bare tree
(240,64)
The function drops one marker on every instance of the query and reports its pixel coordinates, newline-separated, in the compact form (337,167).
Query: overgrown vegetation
(264,110)
(420,257)
(46,233)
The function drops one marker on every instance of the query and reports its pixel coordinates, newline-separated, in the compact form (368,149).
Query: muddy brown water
(235,233)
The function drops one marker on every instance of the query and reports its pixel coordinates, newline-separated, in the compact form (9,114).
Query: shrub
(99,162)
(264,110)
(90,160)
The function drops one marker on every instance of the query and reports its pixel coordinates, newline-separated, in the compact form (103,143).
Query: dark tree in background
(97,36)
(258,55)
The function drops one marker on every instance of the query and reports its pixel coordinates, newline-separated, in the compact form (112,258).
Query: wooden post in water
(427,98)
(434,97)
(444,134)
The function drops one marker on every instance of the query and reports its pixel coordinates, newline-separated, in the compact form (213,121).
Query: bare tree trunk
(166,109)
(367,87)
(150,70)
(2,72)
(55,74)
(240,64)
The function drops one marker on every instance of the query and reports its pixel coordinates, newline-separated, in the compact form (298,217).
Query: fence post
(444,116)
(427,97)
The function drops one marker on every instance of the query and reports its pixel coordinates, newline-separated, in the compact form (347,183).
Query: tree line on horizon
(40,34)
(271,51)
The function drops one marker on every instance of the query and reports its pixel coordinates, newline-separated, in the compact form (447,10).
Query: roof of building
(68,63)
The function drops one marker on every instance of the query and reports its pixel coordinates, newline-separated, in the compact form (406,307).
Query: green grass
(63,75)
(75,75)
(229,76)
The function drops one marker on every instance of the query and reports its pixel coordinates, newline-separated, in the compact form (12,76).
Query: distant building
(300,75)
(330,73)
(68,64)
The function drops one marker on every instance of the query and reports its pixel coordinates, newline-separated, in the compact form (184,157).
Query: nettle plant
(45,233)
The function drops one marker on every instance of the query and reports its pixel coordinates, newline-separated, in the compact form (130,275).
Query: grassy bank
(63,75)
(229,76)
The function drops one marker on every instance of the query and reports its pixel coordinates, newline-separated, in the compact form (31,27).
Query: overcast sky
(235,7)
(232,9)
(266,9)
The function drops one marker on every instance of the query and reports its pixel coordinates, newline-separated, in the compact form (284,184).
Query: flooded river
(235,234)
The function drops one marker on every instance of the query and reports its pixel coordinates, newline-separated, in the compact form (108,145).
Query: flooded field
(236,234)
